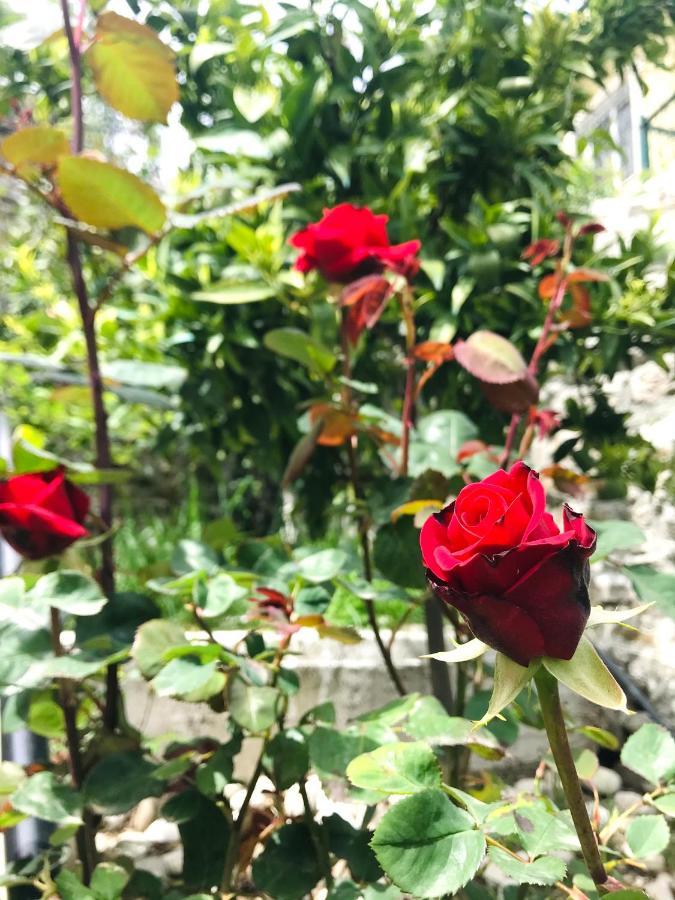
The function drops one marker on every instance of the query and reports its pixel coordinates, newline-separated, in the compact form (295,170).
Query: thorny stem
(88,316)
(362,519)
(554,722)
(85,835)
(510,438)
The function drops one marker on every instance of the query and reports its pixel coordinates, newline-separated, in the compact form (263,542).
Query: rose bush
(351,241)
(497,556)
(42,513)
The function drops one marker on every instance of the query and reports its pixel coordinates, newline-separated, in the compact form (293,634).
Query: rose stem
(551,710)
(408,313)
(85,835)
(362,516)
(88,316)
(542,342)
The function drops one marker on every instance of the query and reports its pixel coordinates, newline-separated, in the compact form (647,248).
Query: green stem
(551,710)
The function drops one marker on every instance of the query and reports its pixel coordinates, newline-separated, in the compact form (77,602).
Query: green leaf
(71,888)
(436,440)
(587,675)
(153,639)
(586,764)
(213,776)
(11,776)
(600,736)
(109,880)
(231,294)
(651,753)
(254,103)
(106,196)
(192,556)
(397,554)
(36,145)
(394,711)
(647,835)
(615,535)
(665,804)
(224,597)
(301,347)
(253,708)
(404,768)
(288,758)
(288,869)
(44,797)
(133,69)
(540,830)
(189,680)
(322,566)
(545,870)
(70,592)
(427,846)
(331,751)
(137,373)
(205,838)
(120,781)
(652,586)
(509,680)
(353,845)
(312,601)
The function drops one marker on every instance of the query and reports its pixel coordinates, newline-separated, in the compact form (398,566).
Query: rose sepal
(462,652)
(601,616)
(508,681)
(588,676)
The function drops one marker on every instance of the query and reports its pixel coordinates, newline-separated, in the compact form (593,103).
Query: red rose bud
(351,241)
(540,250)
(273,604)
(42,513)
(591,228)
(498,557)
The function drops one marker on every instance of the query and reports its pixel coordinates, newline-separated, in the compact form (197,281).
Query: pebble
(607,781)
(624,799)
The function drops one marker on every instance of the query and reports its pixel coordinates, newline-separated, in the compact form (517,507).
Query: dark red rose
(498,557)
(41,513)
(351,241)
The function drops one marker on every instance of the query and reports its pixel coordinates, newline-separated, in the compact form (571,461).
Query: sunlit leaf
(133,70)
(106,196)
(587,675)
(36,145)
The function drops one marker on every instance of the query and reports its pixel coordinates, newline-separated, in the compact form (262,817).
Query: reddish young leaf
(563,218)
(548,285)
(469,449)
(540,250)
(433,352)
(337,425)
(545,420)
(365,300)
(591,228)
(583,275)
(579,316)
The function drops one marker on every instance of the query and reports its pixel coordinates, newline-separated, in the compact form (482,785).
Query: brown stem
(68,703)
(362,518)
(88,316)
(409,392)
(551,710)
(510,439)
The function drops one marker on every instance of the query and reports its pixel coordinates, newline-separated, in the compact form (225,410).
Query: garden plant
(296,404)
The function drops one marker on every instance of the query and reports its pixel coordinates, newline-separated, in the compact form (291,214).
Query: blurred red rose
(498,557)
(41,513)
(351,241)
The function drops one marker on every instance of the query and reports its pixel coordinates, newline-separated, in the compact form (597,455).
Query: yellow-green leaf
(509,680)
(133,70)
(39,145)
(106,196)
